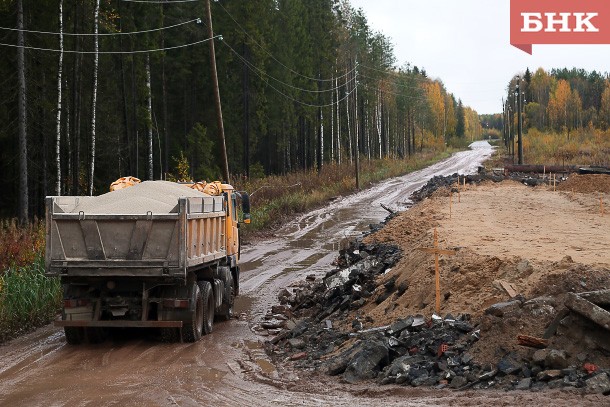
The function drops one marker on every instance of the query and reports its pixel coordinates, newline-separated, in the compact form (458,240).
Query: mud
(229,367)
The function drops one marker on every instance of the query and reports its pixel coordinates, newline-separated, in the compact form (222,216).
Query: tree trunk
(76,107)
(338,123)
(349,127)
(246,124)
(59,85)
(94,99)
(165,115)
(149,119)
(22,107)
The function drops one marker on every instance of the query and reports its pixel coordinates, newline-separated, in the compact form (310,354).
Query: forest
(93,90)
(566,110)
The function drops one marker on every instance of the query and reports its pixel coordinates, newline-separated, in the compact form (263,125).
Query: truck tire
(208,307)
(74,335)
(192,327)
(226,309)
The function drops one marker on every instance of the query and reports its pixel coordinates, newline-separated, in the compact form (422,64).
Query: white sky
(466,44)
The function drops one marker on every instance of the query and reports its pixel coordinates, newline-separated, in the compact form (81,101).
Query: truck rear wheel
(192,328)
(74,335)
(226,309)
(208,307)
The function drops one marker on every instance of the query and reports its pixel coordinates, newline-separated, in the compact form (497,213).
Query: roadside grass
(28,299)
(277,198)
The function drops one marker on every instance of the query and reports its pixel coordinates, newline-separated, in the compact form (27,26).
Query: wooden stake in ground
(437,252)
(450,204)
(601,206)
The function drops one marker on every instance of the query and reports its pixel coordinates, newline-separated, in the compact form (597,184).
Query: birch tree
(149,119)
(59,79)
(94,99)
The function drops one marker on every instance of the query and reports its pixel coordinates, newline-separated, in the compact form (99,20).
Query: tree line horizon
(303,84)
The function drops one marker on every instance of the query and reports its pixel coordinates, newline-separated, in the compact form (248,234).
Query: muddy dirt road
(228,367)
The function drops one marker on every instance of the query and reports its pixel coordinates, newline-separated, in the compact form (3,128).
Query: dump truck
(152,254)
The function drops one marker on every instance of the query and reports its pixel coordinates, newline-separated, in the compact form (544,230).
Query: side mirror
(245,206)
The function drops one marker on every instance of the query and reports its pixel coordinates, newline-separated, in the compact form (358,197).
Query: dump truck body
(144,256)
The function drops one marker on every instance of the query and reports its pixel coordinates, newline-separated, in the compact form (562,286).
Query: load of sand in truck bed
(149,196)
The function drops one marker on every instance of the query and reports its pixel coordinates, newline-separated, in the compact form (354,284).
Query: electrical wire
(277,60)
(198,20)
(254,67)
(393,93)
(142,51)
(391,72)
(160,1)
(348,94)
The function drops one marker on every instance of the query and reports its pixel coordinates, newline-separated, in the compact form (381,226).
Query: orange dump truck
(155,254)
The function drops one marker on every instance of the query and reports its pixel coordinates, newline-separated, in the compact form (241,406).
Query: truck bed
(132,233)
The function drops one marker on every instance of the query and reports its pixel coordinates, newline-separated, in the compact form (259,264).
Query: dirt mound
(520,254)
(586,183)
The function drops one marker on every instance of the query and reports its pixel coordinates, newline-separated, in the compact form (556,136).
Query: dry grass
(277,198)
(585,147)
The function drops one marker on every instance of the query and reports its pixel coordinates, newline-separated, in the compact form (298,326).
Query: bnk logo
(564,22)
(559,22)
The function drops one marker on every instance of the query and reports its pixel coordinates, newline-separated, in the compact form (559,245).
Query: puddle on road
(266,366)
(210,374)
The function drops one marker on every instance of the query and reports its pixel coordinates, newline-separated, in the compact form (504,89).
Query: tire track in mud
(229,366)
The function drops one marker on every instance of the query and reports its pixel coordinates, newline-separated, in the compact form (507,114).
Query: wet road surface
(228,367)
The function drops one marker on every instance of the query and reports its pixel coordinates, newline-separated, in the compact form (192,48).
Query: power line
(160,1)
(254,67)
(274,58)
(423,78)
(198,20)
(393,82)
(393,93)
(292,98)
(142,51)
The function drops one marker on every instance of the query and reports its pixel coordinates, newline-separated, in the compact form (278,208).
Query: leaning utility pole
(357,125)
(221,129)
(520,121)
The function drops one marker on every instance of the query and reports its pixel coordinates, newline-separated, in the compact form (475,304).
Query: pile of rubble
(312,328)
(439,181)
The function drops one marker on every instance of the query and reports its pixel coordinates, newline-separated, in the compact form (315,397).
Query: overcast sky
(466,44)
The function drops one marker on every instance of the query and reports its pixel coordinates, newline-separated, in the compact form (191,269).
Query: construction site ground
(543,243)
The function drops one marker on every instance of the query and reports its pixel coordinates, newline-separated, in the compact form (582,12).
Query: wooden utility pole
(437,252)
(219,122)
(357,125)
(520,121)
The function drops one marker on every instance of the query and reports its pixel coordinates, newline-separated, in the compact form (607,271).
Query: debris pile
(587,184)
(420,351)
(517,324)
(532,180)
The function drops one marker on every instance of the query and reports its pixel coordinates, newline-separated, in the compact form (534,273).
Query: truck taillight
(173,303)
(82,302)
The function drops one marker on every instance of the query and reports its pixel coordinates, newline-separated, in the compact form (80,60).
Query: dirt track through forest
(229,367)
